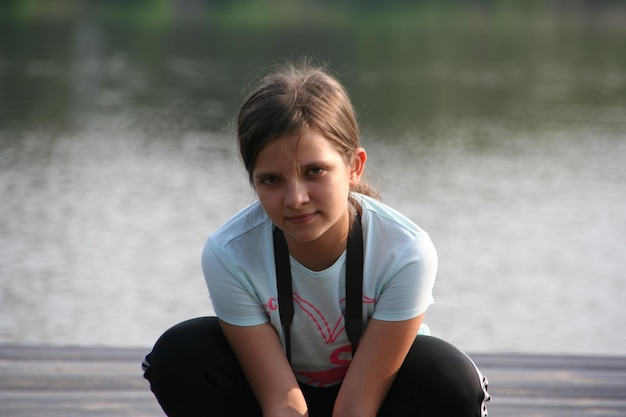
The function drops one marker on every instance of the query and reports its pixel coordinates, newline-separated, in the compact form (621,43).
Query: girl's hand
(380,354)
(261,356)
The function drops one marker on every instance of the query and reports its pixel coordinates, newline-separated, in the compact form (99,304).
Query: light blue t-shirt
(400,264)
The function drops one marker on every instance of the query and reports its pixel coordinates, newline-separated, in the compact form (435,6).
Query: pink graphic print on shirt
(329,332)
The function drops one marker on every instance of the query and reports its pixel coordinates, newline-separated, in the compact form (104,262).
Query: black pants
(193,372)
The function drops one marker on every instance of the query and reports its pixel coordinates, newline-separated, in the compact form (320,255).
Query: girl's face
(303,185)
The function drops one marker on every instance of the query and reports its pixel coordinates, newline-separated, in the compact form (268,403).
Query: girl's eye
(270,180)
(315,172)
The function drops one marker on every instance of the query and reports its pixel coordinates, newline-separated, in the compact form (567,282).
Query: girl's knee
(183,348)
(193,371)
(443,378)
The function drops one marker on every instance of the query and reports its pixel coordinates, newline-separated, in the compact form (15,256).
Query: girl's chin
(303,236)
(307,233)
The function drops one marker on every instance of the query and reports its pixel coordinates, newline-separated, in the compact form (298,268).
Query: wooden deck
(98,382)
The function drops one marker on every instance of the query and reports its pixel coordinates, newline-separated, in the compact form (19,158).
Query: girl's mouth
(301,218)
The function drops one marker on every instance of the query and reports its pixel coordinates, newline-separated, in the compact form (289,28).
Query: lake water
(117,159)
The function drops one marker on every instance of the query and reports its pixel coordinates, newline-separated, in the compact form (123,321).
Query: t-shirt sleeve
(233,296)
(407,290)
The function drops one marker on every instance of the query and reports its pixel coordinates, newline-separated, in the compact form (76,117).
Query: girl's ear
(358,166)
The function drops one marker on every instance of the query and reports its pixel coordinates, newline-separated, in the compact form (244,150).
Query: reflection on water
(117,160)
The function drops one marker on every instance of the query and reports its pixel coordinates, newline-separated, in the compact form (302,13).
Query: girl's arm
(381,352)
(261,356)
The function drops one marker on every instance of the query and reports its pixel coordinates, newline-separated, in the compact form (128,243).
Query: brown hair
(291,100)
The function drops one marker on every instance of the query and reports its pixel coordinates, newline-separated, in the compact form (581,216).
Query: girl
(319,289)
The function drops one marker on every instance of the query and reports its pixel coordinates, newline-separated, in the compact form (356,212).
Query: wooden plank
(74,382)
(99,382)
(555,386)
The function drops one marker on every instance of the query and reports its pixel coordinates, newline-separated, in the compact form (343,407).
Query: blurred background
(498,126)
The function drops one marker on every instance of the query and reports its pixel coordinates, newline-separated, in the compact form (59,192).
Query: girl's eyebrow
(265,175)
(312,164)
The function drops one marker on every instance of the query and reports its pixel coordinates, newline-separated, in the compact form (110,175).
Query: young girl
(319,289)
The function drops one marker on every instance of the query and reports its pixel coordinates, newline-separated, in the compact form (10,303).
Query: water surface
(117,159)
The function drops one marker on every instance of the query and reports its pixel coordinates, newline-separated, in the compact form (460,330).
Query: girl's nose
(296,194)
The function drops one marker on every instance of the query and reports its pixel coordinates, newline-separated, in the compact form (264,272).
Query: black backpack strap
(283,283)
(354,285)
